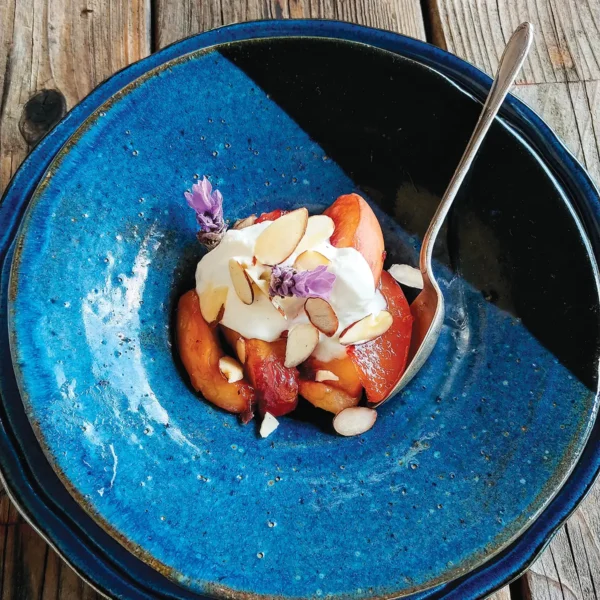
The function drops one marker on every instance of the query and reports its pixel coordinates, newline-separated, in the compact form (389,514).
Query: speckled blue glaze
(425,467)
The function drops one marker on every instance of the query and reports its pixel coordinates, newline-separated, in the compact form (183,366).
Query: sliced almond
(242,284)
(354,420)
(212,303)
(262,286)
(277,304)
(256,276)
(268,425)
(407,275)
(243,223)
(240,350)
(322,375)
(230,369)
(301,341)
(321,315)
(309,260)
(318,230)
(367,329)
(279,240)
(261,277)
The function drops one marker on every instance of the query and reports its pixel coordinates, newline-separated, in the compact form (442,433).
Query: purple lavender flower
(208,205)
(286,282)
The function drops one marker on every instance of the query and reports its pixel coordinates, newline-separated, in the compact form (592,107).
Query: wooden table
(70,46)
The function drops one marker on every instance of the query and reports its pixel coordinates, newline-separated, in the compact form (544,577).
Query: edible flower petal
(208,205)
(286,282)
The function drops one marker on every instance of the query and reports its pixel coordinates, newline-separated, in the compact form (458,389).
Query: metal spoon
(428,306)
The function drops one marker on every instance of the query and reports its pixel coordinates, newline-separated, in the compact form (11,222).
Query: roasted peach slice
(381,362)
(200,352)
(356,226)
(275,385)
(332,395)
(325,396)
(343,368)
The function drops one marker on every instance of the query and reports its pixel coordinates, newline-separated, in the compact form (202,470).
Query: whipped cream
(353,295)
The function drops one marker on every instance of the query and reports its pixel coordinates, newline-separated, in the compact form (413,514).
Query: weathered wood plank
(24,557)
(174,20)
(64,45)
(569,569)
(62,583)
(572,109)
(567,44)
(503,594)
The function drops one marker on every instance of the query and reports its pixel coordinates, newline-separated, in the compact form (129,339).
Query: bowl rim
(469,79)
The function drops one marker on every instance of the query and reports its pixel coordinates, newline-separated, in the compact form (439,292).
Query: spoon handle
(512,59)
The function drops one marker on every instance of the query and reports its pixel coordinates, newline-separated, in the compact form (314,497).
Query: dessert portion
(290,305)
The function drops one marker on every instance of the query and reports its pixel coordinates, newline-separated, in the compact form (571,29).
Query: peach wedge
(201,354)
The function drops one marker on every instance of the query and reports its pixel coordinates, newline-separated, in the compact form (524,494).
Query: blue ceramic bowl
(460,464)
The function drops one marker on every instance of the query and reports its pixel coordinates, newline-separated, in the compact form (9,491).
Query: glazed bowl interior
(459,463)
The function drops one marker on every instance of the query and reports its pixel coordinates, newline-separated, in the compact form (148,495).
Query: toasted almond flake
(322,375)
(280,239)
(407,275)
(240,349)
(260,276)
(212,303)
(262,286)
(318,230)
(277,303)
(301,341)
(321,315)
(367,329)
(242,284)
(243,223)
(309,260)
(268,425)
(354,420)
(230,369)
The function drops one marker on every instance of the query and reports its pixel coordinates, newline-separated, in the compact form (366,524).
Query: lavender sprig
(286,282)
(208,205)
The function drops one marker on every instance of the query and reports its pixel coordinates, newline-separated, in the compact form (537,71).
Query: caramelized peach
(356,226)
(200,352)
(275,385)
(343,368)
(326,396)
(332,396)
(381,362)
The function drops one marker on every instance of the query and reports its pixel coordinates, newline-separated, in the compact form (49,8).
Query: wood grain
(572,109)
(176,19)
(567,44)
(503,594)
(64,45)
(569,569)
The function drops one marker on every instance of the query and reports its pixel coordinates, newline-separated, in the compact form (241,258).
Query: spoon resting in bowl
(428,307)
